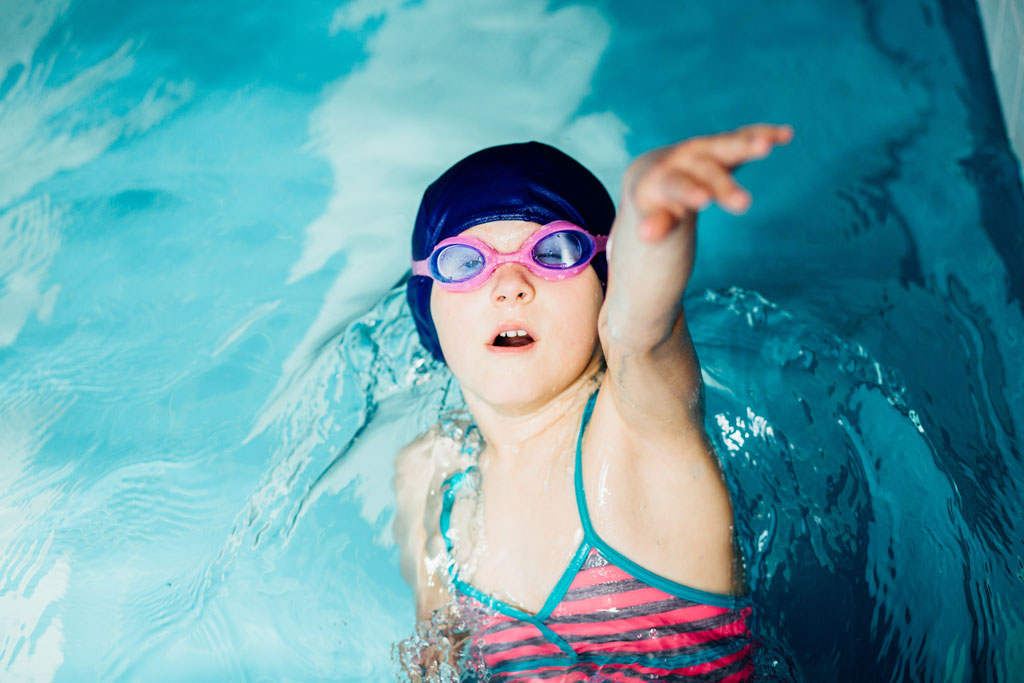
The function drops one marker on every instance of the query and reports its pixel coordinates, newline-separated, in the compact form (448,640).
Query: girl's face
(559,318)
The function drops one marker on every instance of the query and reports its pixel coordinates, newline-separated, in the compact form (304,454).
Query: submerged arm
(419,467)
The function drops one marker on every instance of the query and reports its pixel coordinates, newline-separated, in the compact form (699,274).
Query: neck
(539,429)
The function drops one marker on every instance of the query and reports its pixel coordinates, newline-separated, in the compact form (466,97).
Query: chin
(506,385)
(529,386)
(510,390)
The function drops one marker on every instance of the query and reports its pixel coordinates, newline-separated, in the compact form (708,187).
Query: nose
(511,284)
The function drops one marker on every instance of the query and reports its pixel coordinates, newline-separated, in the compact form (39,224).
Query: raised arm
(656,385)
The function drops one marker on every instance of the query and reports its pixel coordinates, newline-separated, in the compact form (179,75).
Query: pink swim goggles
(557,251)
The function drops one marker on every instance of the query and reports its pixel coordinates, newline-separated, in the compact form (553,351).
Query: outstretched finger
(711,173)
(676,188)
(744,144)
(665,197)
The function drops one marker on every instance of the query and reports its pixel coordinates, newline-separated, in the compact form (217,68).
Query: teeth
(512,333)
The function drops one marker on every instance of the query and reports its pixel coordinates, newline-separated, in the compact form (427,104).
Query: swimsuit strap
(451,486)
(581,498)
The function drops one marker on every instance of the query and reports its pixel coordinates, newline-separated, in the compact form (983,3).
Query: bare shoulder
(414,463)
(420,463)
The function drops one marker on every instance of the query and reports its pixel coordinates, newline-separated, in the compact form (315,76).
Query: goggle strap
(421,267)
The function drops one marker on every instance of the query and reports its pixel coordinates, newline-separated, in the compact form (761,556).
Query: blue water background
(204,377)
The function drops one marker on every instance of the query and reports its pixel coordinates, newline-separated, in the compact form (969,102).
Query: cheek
(453,319)
(445,316)
(577,313)
(590,297)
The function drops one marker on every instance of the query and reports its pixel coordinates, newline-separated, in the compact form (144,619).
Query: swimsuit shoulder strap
(451,487)
(581,498)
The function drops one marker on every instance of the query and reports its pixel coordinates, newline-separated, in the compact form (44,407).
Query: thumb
(655,225)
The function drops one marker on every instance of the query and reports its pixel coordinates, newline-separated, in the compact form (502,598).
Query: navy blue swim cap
(527,181)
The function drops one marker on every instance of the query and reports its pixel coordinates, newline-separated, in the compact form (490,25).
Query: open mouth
(512,338)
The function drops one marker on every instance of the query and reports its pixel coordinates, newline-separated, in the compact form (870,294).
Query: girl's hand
(665,188)
(432,655)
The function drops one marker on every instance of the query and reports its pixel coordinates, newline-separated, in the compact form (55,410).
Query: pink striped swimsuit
(607,618)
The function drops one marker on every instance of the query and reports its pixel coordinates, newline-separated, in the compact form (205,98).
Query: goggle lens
(458,263)
(563,249)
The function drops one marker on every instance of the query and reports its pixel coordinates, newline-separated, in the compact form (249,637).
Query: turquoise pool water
(205,370)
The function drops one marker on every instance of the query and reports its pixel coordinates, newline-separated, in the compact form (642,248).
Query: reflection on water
(204,377)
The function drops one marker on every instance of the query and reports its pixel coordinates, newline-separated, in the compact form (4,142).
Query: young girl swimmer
(591,537)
